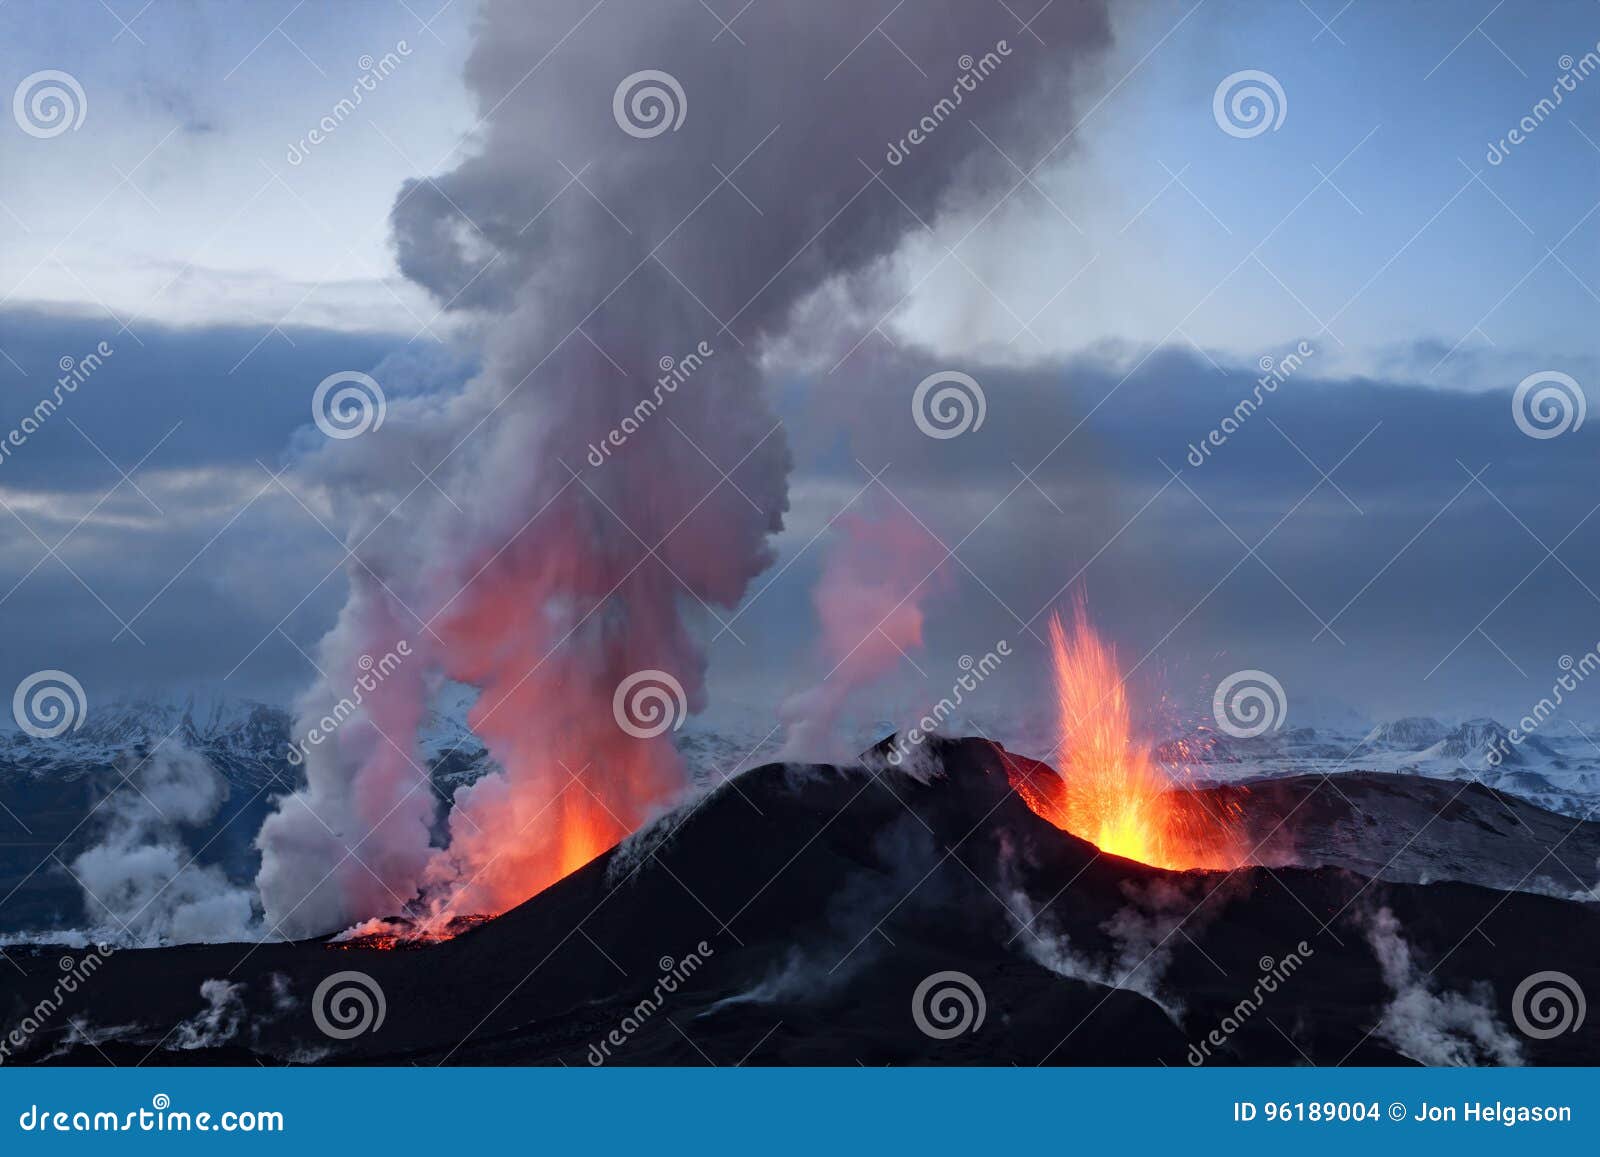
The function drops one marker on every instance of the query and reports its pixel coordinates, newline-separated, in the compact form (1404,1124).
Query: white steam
(1430,1026)
(216,1024)
(141,884)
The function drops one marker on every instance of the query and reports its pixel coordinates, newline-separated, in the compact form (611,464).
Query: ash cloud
(587,256)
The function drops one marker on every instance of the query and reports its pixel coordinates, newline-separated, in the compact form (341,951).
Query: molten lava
(396,933)
(1112,792)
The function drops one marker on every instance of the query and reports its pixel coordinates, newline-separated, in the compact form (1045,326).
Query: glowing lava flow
(1112,793)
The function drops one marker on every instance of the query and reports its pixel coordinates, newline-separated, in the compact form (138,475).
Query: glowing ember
(396,933)
(1113,794)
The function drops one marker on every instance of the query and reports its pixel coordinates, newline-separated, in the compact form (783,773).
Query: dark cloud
(233,392)
(198,551)
(1158,569)
(1404,564)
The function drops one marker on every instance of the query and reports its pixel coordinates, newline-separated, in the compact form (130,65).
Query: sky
(1380,534)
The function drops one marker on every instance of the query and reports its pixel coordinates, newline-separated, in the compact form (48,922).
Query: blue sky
(1399,245)
(1154,259)
(199,105)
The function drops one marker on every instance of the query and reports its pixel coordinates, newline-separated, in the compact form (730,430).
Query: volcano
(820,914)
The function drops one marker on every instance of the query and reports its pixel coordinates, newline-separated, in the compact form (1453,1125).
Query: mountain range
(1559,771)
(50,789)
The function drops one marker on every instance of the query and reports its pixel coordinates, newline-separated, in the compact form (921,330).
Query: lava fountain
(1112,792)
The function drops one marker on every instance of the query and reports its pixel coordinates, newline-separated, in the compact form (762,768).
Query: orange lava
(401,933)
(1113,793)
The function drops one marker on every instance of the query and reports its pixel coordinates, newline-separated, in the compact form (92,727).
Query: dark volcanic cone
(792,915)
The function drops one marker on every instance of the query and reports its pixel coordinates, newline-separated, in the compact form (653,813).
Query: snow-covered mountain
(1293,747)
(1412,733)
(1486,743)
(1559,771)
(248,741)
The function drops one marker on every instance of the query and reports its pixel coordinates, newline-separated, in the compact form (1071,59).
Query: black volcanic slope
(1417,830)
(825,896)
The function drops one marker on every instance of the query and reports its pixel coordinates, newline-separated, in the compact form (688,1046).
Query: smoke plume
(217,1023)
(140,883)
(879,568)
(1429,1026)
(1140,937)
(630,247)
